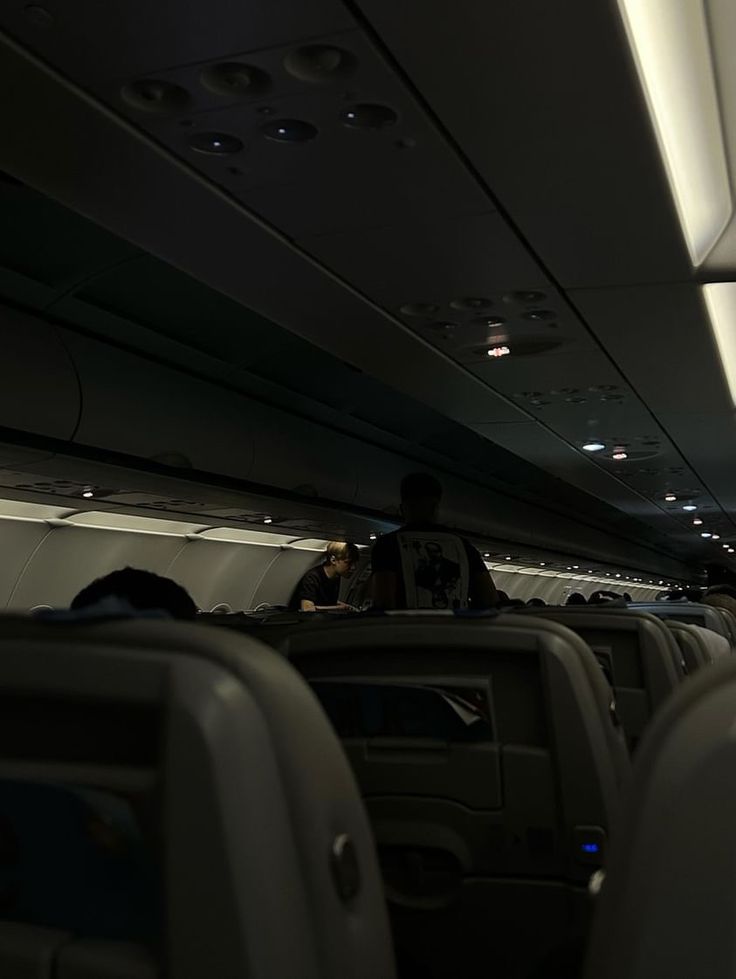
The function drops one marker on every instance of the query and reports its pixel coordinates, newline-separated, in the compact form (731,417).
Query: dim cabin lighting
(672,52)
(593,446)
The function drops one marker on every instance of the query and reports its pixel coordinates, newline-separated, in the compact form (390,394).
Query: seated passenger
(604,597)
(536,603)
(319,589)
(132,590)
(721,596)
(576,598)
(425,565)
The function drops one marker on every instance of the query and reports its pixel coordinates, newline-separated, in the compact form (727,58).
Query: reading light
(720,299)
(618,575)
(619,456)
(673,57)
(268,519)
(705,534)
(593,446)
(716,537)
(697,522)
(374,536)
(689,507)
(730,550)
(88,494)
(498,351)
(670,498)
(725,545)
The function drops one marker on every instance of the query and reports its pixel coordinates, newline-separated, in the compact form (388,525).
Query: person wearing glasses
(319,589)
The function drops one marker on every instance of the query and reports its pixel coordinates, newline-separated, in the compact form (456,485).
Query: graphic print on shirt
(435,570)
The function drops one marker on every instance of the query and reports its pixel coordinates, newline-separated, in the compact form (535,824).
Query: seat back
(174,802)
(699,646)
(669,900)
(490,764)
(691,613)
(637,652)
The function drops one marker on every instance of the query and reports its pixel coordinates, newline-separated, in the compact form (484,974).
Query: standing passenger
(425,565)
(319,588)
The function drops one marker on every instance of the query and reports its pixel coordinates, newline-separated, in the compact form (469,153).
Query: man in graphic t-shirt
(425,565)
(319,588)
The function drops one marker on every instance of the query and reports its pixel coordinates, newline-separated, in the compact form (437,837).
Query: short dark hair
(724,589)
(142,590)
(420,486)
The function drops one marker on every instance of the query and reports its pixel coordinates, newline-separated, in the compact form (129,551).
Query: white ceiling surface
(556,128)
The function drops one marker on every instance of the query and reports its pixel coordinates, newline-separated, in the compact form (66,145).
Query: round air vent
(157,97)
(236,80)
(471,304)
(319,64)
(216,144)
(368,116)
(423,310)
(524,296)
(289,130)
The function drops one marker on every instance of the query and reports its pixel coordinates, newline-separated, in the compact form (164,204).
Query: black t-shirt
(316,587)
(386,555)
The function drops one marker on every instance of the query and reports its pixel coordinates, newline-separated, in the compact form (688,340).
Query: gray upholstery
(668,905)
(268,866)
(640,654)
(699,646)
(486,843)
(690,612)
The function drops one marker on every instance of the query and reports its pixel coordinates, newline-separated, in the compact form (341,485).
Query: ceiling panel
(140,37)
(544,99)
(397,265)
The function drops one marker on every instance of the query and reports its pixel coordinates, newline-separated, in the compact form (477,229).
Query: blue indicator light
(590,848)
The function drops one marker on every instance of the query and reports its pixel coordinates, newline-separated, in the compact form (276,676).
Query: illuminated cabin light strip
(720,298)
(671,47)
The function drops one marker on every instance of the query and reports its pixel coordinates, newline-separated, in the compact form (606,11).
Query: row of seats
(173,800)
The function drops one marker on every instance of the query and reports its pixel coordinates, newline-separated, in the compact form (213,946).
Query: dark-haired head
(142,590)
(421,494)
(576,598)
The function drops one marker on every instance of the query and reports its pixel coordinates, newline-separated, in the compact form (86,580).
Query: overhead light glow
(498,351)
(88,494)
(720,299)
(508,557)
(730,550)
(725,545)
(673,57)
(618,575)
(268,519)
(689,507)
(375,537)
(716,536)
(620,456)
(593,446)
(705,534)
(697,522)
(670,498)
